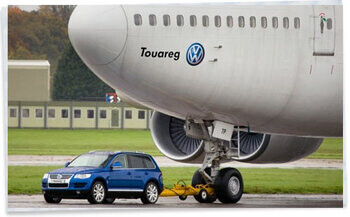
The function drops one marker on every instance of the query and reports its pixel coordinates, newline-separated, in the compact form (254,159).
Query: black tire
(109,200)
(198,179)
(203,194)
(183,197)
(97,193)
(50,199)
(150,194)
(229,185)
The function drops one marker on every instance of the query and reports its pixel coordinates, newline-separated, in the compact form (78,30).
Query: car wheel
(109,200)
(50,199)
(150,194)
(97,193)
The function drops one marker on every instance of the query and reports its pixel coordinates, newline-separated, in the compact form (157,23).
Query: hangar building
(30,104)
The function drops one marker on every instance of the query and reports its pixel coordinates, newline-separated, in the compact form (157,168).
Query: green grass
(27,179)
(74,142)
(331,148)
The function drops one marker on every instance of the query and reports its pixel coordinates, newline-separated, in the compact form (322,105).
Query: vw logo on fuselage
(195,54)
(59,176)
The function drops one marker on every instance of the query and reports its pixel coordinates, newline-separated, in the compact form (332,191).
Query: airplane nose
(98,33)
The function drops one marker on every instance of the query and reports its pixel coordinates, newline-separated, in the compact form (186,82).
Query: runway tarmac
(52,160)
(25,203)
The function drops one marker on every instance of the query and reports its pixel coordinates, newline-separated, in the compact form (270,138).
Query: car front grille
(58,185)
(62,176)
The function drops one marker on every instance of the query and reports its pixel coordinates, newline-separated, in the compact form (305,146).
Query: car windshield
(91,160)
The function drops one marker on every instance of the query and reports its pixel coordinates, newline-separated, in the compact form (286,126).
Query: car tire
(50,199)
(198,179)
(150,193)
(229,185)
(97,193)
(109,200)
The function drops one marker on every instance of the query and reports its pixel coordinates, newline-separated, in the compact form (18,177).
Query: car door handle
(129,173)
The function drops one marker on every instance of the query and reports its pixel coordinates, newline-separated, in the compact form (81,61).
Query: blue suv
(100,177)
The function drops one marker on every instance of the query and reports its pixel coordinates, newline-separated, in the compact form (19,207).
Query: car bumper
(68,194)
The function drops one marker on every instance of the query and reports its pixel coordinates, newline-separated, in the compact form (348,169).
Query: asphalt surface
(35,203)
(52,160)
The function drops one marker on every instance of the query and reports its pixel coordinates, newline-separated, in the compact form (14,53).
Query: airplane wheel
(229,185)
(198,179)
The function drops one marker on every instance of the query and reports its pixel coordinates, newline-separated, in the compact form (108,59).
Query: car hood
(72,170)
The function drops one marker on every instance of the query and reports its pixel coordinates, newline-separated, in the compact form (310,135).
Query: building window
(217,21)
(128,114)
(90,113)
(141,115)
(25,113)
(64,113)
(180,20)
(252,22)
(152,20)
(77,113)
(297,22)
(13,113)
(275,22)
(229,21)
(103,114)
(38,113)
(264,22)
(51,113)
(285,22)
(138,19)
(329,23)
(166,20)
(205,20)
(241,21)
(193,20)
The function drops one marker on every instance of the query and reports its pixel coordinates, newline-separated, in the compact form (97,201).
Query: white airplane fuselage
(274,80)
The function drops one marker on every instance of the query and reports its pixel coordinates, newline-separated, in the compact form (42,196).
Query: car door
(138,170)
(119,178)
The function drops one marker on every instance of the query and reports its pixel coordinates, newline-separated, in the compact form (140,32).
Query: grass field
(27,179)
(74,142)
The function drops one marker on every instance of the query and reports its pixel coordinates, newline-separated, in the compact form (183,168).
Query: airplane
(227,82)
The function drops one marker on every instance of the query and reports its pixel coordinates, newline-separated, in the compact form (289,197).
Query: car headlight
(46,176)
(82,176)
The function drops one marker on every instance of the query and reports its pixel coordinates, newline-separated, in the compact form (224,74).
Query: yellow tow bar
(182,191)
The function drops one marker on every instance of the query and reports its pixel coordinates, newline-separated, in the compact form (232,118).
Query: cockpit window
(138,19)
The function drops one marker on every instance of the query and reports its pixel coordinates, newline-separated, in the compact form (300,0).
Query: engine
(170,137)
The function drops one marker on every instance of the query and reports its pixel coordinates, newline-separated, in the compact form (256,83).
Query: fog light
(78,192)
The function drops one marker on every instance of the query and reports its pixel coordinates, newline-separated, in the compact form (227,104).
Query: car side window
(135,161)
(148,163)
(122,159)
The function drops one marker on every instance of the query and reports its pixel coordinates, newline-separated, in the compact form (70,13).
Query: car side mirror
(117,165)
(66,164)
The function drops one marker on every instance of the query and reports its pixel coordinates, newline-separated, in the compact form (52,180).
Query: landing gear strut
(227,182)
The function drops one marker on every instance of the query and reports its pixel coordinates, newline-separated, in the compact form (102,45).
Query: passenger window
(264,22)
(137,19)
(166,20)
(135,161)
(217,21)
(297,23)
(122,159)
(205,20)
(252,22)
(193,20)
(229,20)
(152,20)
(285,22)
(275,22)
(148,163)
(329,23)
(180,20)
(241,21)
